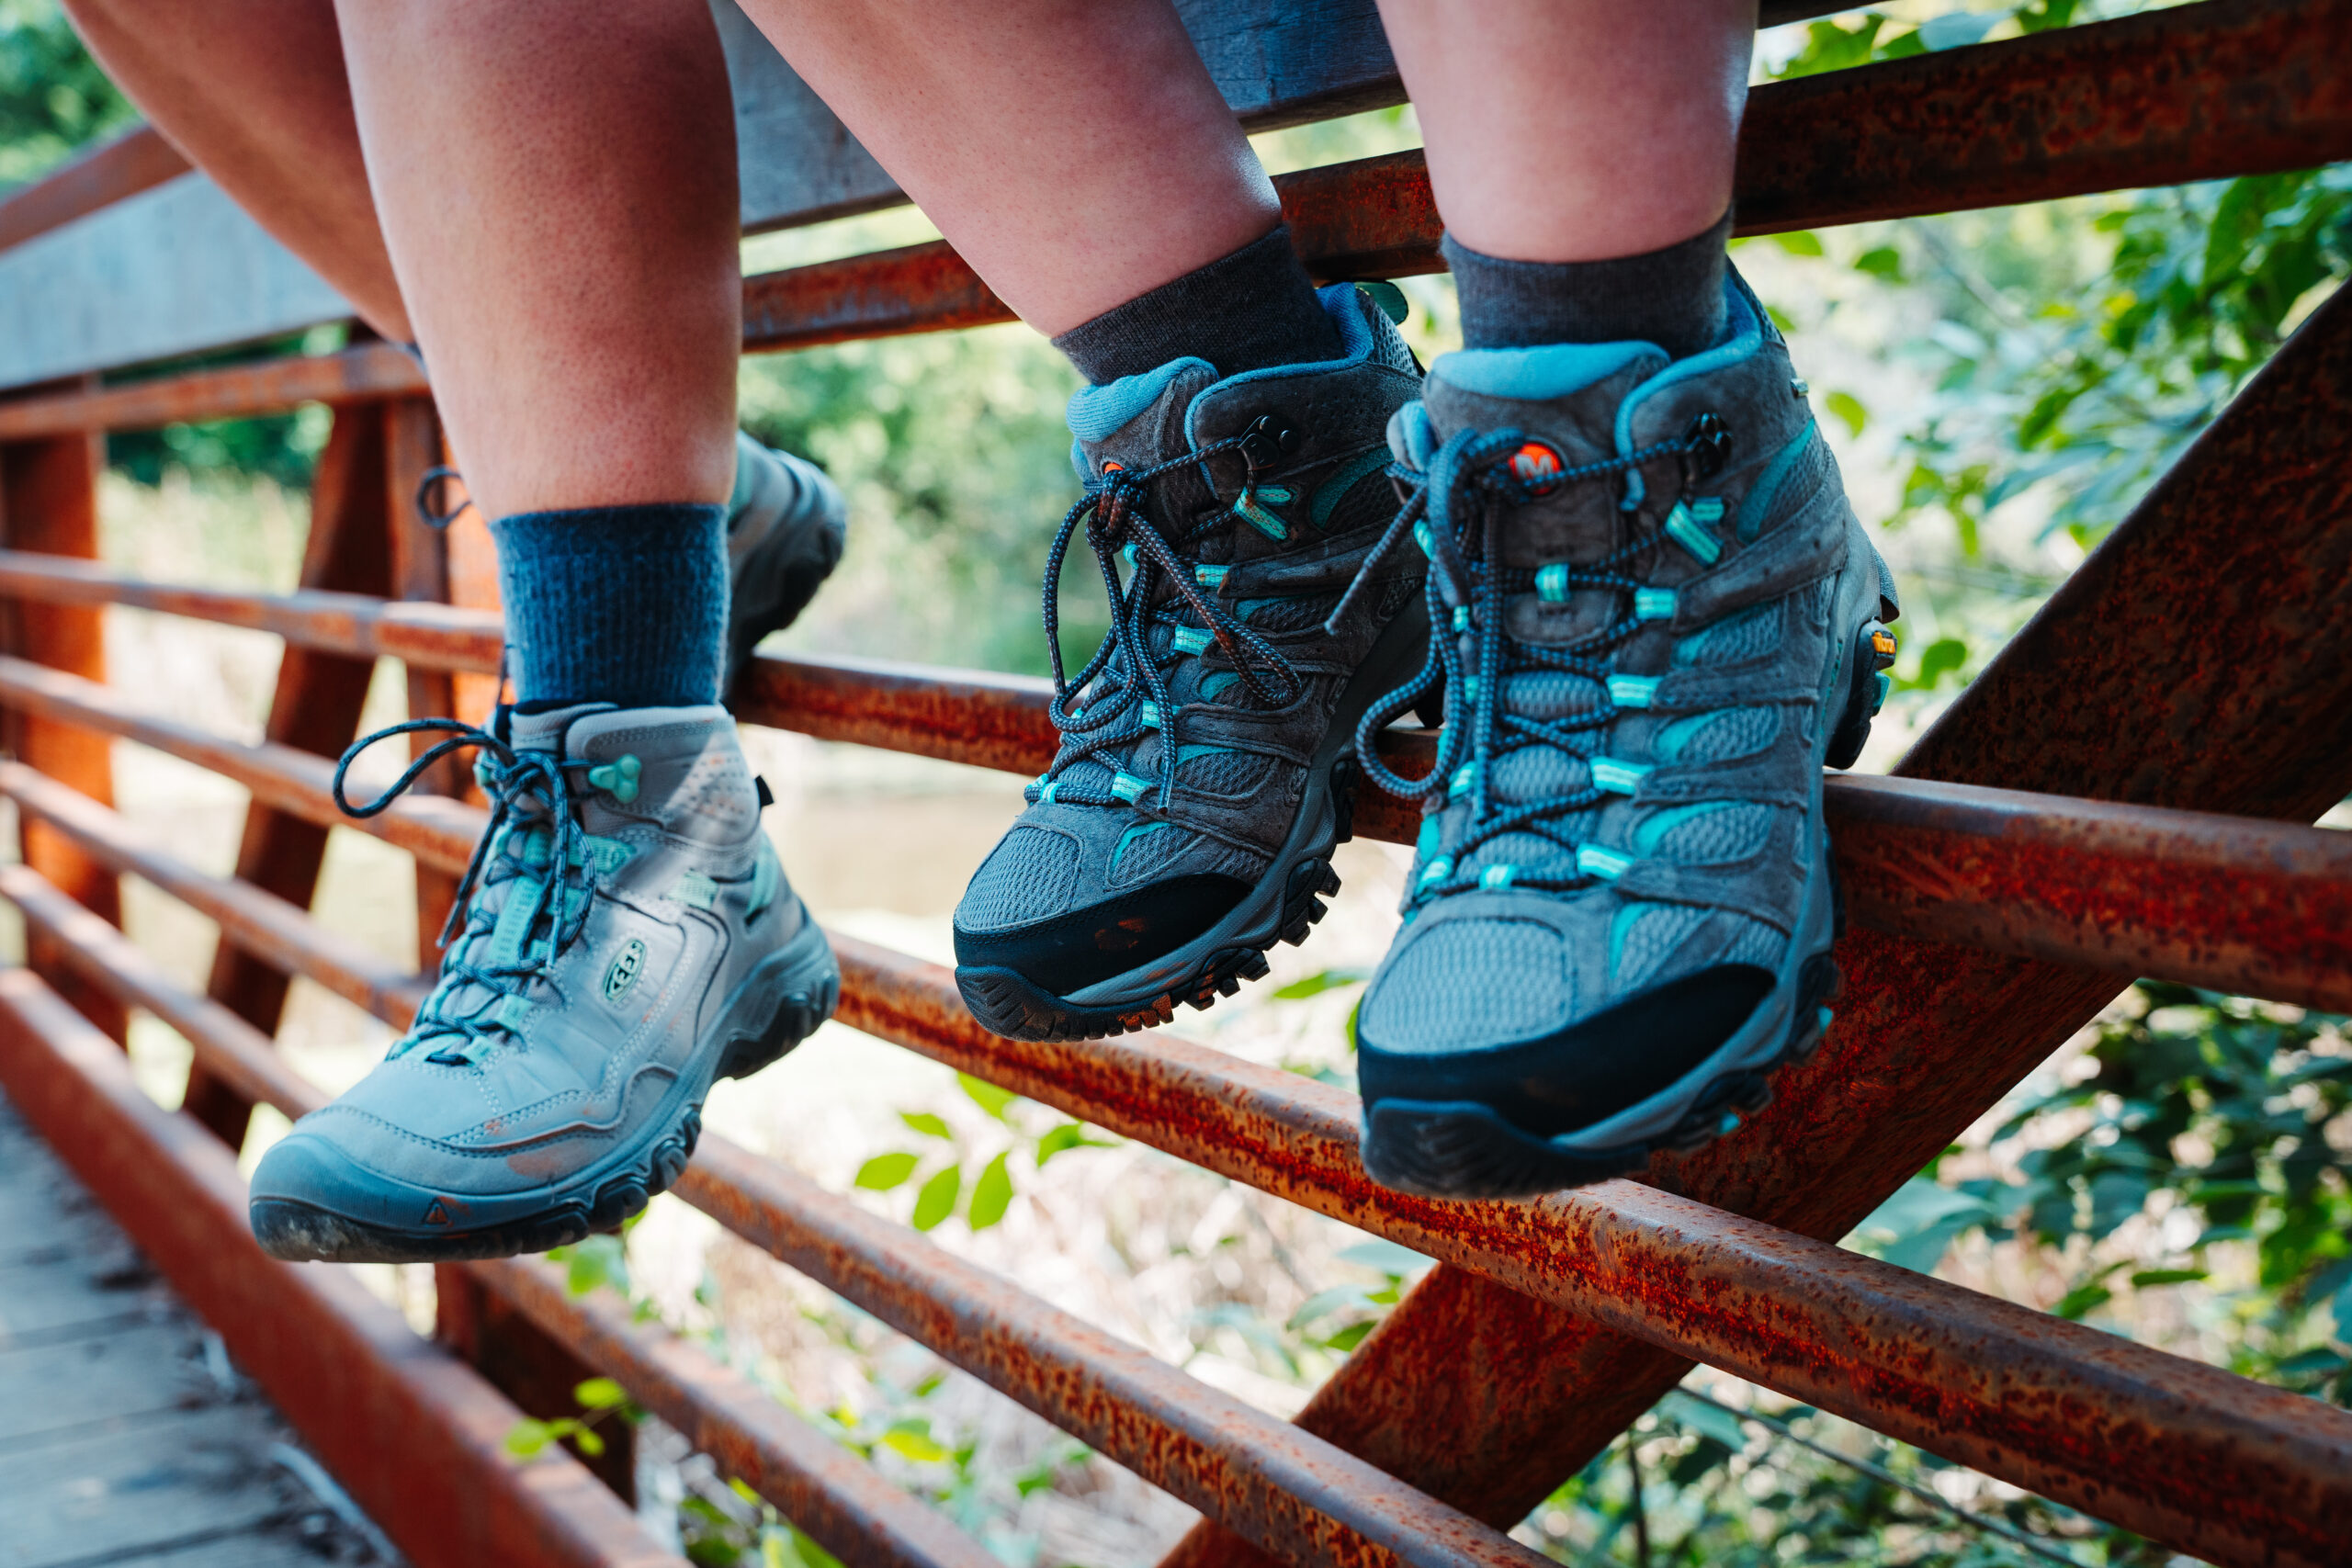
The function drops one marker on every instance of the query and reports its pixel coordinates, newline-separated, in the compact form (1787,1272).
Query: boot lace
(1125,687)
(534,838)
(1456,512)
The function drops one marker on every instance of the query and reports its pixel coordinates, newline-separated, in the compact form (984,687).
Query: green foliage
(53,99)
(978,1177)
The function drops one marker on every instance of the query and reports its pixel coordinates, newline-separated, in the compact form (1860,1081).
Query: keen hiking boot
(1187,822)
(1660,618)
(785,527)
(625,936)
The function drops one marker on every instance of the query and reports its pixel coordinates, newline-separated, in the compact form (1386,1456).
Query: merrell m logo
(625,971)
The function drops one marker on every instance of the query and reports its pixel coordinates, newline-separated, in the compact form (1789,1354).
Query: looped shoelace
(1115,715)
(528,785)
(1453,510)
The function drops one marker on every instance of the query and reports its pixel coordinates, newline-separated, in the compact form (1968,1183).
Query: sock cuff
(624,604)
(1672,297)
(1249,311)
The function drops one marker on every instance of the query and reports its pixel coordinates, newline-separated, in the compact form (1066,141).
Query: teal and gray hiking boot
(785,527)
(1187,822)
(1662,620)
(629,938)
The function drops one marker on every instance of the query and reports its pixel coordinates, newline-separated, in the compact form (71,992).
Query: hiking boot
(1187,822)
(1662,619)
(629,937)
(785,527)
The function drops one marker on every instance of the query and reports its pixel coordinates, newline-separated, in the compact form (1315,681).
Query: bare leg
(253,91)
(1569,132)
(1075,151)
(557,187)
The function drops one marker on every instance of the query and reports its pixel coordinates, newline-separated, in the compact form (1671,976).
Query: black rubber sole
(1464,1149)
(1008,1004)
(292,1230)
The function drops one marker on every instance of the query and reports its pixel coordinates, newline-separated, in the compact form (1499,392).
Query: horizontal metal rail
(1974,1379)
(1280,1487)
(416,1437)
(2259,908)
(826,1490)
(2195,92)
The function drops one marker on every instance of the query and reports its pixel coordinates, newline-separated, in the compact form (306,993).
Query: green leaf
(923,1122)
(985,1095)
(991,1194)
(1324,980)
(1385,1257)
(1069,1135)
(1847,407)
(2147,1277)
(1798,242)
(937,1199)
(912,1438)
(1350,1336)
(600,1393)
(588,1442)
(1706,1420)
(1881,262)
(885,1171)
(526,1437)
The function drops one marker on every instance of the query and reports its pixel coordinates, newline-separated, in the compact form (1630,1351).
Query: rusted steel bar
(260,922)
(1971,1378)
(416,1437)
(1898,1351)
(820,1486)
(2200,660)
(49,502)
(1291,1493)
(234,391)
(438,637)
(231,1050)
(2258,909)
(2253,907)
(138,159)
(438,831)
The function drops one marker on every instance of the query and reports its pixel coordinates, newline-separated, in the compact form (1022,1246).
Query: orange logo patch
(1537,465)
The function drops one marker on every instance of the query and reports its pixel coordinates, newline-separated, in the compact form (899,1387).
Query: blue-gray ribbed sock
(1673,298)
(622,605)
(1250,310)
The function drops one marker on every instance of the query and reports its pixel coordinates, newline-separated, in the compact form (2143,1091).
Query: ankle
(1672,297)
(1250,310)
(624,604)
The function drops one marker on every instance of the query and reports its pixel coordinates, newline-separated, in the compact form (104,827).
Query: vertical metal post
(49,501)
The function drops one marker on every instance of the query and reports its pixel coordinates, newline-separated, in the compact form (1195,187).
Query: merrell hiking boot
(785,527)
(1661,618)
(1186,824)
(629,937)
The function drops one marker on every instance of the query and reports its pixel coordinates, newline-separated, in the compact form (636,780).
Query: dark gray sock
(1247,311)
(1673,298)
(623,604)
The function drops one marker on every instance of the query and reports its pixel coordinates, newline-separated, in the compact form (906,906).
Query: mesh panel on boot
(1653,933)
(1225,773)
(1706,835)
(1718,736)
(1471,983)
(1029,877)
(1735,639)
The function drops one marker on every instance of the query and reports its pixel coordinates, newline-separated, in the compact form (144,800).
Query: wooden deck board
(120,1441)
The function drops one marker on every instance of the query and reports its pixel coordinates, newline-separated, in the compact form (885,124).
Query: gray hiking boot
(629,938)
(1187,822)
(1665,620)
(785,527)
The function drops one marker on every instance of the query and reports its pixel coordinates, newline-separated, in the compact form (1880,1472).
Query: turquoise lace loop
(1455,510)
(550,853)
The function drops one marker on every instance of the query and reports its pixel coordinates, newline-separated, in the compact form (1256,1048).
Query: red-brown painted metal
(1906,1354)
(438,831)
(820,1486)
(1286,1491)
(957,715)
(259,922)
(234,391)
(137,159)
(416,1437)
(2248,906)
(2200,660)
(1971,1378)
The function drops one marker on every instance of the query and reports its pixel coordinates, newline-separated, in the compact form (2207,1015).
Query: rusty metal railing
(1992,921)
